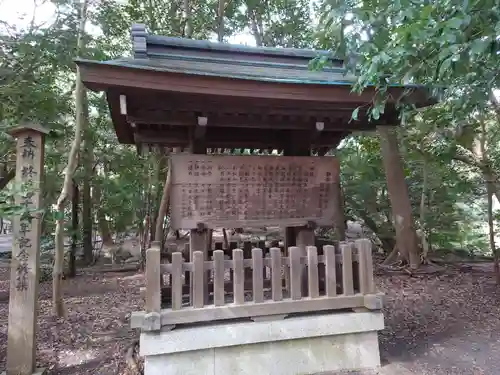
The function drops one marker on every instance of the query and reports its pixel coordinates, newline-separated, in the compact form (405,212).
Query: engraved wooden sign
(245,191)
(23,305)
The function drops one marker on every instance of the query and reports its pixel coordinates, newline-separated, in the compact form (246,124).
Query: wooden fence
(261,287)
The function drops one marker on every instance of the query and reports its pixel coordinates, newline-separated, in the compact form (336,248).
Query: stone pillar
(25,263)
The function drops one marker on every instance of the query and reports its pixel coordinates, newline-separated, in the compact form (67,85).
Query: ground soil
(435,324)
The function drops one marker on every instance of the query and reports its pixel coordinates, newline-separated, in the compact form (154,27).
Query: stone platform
(299,345)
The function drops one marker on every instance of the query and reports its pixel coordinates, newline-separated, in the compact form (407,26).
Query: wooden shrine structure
(201,98)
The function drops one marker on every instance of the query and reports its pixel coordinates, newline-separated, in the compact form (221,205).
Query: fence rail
(261,286)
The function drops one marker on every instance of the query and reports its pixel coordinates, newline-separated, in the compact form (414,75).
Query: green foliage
(450,46)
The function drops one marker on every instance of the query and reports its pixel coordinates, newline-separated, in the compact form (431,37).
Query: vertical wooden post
(187,255)
(312,269)
(25,263)
(296,273)
(153,287)
(305,237)
(257,276)
(239,277)
(276,283)
(330,271)
(247,254)
(198,239)
(366,280)
(299,144)
(198,279)
(219,278)
(347,277)
(176,281)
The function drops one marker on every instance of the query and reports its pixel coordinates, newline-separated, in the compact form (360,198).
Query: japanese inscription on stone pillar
(23,304)
(236,191)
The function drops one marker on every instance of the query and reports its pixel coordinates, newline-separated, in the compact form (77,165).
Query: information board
(245,191)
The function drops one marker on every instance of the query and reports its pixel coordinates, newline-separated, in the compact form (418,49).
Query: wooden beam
(333,122)
(232,139)
(211,313)
(180,102)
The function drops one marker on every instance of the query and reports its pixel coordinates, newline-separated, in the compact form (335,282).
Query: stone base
(38,371)
(302,345)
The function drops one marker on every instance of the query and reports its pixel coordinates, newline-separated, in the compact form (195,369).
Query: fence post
(176,280)
(330,270)
(276,283)
(257,276)
(152,320)
(312,269)
(296,272)
(366,281)
(198,280)
(347,282)
(239,277)
(219,278)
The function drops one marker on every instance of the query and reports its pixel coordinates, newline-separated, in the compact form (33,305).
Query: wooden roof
(250,97)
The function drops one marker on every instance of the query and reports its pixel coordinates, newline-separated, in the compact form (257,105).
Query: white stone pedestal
(303,345)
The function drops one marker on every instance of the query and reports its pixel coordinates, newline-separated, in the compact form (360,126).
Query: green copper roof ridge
(206,45)
(243,62)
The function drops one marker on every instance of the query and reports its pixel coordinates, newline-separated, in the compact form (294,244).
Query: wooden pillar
(298,145)
(305,237)
(198,238)
(25,263)
(198,241)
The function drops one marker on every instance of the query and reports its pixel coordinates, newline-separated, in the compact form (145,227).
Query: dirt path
(434,325)
(442,325)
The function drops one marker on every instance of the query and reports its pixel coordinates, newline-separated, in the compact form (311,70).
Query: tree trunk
(406,237)
(144,241)
(74,229)
(106,235)
(256,31)
(339,221)
(188,22)
(491,227)
(423,209)
(220,21)
(162,211)
(88,247)
(6,177)
(57,300)
(159,177)
(489,179)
